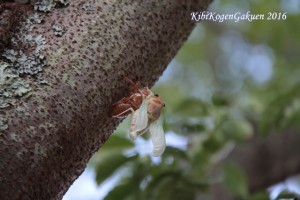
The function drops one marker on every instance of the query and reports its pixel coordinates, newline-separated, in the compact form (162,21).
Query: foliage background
(230,82)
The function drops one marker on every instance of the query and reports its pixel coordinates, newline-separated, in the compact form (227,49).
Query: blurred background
(229,83)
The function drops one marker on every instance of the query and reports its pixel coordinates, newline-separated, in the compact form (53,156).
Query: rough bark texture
(266,161)
(60,76)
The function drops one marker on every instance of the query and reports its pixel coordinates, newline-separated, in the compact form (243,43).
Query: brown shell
(127,105)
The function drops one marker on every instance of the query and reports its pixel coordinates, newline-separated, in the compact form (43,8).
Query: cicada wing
(139,121)
(158,137)
(141,132)
(142,117)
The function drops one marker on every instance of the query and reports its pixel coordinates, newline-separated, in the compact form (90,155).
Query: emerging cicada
(127,105)
(146,108)
(148,117)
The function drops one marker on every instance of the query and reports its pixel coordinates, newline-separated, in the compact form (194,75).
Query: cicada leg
(124,113)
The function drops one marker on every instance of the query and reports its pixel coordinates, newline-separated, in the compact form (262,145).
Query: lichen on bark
(49,136)
(22,62)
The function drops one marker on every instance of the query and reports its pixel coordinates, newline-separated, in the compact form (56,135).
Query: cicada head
(154,108)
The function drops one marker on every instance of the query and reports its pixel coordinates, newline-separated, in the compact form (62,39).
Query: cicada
(145,108)
(148,118)
(127,105)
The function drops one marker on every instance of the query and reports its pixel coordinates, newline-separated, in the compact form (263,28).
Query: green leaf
(239,129)
(109,163)
(180,193)
(235,180)
(159,188)
(191,107)
(160,176)
(186,125)
(173,151)
(213,143)
(292,114)
(114,144)
(260,196)
(170,186)
(116,141)
(121,191)
(276,114)
(220,100)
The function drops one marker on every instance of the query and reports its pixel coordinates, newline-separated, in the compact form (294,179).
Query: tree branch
(50,131)
(266,161)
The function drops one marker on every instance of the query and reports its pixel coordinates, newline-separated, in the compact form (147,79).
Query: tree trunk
(60,73)
(266,161)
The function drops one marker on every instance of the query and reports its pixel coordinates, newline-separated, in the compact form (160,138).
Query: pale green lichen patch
(23,64)
(21,68)
(32,130)
(48,5)
(30,62)
(31,21)
(51,127)
(3,124)
(40,150)
(15,137)
(69,80)
(11,85)
(58,29)
(44,6)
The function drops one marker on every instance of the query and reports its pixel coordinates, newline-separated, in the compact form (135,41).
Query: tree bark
(60,76)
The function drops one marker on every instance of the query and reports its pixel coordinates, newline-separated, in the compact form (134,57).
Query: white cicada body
(148,117)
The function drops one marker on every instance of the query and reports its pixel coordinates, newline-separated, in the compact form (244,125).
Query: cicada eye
(156,95)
